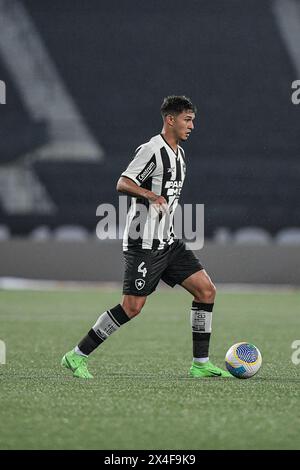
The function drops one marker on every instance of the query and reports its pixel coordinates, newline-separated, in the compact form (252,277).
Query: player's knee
(206,294)
(132,309)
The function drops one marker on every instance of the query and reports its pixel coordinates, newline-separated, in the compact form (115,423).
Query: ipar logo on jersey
(173,187)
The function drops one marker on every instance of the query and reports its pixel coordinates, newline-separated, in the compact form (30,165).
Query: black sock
(201,316)
(107,323)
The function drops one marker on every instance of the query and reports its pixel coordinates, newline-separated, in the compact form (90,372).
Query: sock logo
(201,321)
(198,322)
(105,325)
(101,335)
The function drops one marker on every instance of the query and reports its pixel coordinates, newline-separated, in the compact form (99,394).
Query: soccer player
(154,179)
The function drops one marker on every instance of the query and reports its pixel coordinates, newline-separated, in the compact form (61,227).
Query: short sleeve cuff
(131,177)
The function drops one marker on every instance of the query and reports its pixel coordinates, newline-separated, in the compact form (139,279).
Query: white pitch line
(13,283)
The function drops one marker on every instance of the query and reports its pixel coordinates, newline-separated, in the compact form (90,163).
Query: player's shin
(107,323)
(201,319)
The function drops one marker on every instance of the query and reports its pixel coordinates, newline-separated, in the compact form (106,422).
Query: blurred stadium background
(84,86)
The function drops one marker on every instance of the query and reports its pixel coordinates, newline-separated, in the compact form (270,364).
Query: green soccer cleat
(207,370)
(77,364)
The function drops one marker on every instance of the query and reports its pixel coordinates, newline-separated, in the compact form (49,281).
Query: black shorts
(145,268)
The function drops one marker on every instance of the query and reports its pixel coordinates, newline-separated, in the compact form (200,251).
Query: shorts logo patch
(139,284)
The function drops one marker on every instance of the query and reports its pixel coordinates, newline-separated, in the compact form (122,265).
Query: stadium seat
(71,233)
(252,236)
(40,233)
(4,232)
(288,236)
(241,141)
(222,235)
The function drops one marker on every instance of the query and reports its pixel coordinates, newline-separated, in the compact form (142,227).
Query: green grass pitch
(142,396)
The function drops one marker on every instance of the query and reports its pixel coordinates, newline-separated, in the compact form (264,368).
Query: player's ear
(170,119)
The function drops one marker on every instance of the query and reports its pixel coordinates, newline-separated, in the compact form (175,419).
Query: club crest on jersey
(139,284)
(173,187)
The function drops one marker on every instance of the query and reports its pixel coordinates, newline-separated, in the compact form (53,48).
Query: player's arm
(127,186)
(141,167)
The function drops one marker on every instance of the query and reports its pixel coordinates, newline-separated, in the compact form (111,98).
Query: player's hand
(160,205)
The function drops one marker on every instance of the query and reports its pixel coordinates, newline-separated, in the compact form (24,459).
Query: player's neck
(170,139)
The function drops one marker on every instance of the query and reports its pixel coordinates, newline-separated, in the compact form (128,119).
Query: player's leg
(133,304)
(186,270)
(140,279)
(107,323)
(203,290)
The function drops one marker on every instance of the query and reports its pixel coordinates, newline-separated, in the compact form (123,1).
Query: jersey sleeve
(142,166)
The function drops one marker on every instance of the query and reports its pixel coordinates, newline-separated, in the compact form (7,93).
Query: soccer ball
(243,360)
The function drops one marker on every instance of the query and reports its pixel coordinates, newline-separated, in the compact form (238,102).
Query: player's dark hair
(176,105)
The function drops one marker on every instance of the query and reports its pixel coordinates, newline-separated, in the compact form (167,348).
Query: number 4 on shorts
(142,270)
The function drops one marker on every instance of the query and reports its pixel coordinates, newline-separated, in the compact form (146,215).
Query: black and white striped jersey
(156,167)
